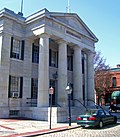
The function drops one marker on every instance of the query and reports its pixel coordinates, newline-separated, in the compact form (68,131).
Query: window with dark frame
(35,53)
(15,86)
(34,88)
(17,48)
(114,81)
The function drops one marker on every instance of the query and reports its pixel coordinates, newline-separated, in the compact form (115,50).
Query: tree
(100,62)
(102,76)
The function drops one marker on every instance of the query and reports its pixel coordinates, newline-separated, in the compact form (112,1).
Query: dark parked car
(114,107)
(115,101)
(96,117)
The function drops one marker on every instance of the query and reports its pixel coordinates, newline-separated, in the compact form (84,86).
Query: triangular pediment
(75,22)
(71,21)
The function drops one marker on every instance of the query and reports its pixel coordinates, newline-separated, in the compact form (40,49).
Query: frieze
(70,33)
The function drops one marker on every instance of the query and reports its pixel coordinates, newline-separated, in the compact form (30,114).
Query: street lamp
(69,91)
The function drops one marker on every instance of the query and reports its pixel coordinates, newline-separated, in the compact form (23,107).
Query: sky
(101,16)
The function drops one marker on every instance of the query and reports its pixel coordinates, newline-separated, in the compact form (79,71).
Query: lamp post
(69,91)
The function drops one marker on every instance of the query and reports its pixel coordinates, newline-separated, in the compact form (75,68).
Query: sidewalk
(30,128)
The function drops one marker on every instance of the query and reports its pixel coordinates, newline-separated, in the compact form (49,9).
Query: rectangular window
(34,88)
(35,54)
(17,48)
(14,112)
(15,86)
(70,63)
(114,81)
(53,58)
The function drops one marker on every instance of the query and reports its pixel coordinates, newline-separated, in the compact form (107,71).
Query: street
(107,131)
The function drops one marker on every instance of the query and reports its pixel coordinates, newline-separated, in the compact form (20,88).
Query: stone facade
(43,50)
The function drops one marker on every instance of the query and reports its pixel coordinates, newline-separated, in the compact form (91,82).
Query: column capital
(77,48)
(60,41)
(89,52)
(45,35)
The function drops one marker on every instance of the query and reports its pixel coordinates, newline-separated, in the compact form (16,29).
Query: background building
(43,50)
(115,74)
(112,78)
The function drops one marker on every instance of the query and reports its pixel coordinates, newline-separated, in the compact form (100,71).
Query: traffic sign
(51,90)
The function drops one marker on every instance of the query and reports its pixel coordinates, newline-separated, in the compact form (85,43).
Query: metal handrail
(80,103)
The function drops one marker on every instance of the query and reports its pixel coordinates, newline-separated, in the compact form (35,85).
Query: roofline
(37,14)
(44,12)
(79,19)
(115,69)
(12,15)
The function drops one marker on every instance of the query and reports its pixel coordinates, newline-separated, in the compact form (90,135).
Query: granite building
(39,51)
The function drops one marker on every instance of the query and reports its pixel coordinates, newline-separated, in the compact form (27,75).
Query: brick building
(114,85)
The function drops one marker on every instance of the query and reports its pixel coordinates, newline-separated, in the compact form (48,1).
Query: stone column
(62,73)
(43,71)
(85,78)
(77,75)
(90,68)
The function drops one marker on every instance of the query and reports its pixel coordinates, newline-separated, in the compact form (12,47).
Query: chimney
(118,65)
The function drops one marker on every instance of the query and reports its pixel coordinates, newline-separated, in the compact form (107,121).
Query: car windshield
(91,112)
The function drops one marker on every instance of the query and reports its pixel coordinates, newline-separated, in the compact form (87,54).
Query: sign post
(51,92)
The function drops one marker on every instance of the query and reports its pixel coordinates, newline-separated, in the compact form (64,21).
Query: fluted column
(62,73)
(90,65)
(77,75)
(43,71)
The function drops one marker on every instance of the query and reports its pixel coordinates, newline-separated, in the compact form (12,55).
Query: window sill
(17,60)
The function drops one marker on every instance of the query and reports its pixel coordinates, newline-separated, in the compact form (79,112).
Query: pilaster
(5,45)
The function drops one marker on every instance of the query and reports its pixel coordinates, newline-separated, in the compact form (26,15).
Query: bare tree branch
(102,76)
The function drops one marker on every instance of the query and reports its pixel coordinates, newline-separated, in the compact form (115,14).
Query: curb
(47,131)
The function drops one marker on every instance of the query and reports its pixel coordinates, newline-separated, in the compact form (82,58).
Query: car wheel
(100,124)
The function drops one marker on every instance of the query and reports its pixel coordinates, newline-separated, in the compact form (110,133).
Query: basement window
(13,112)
